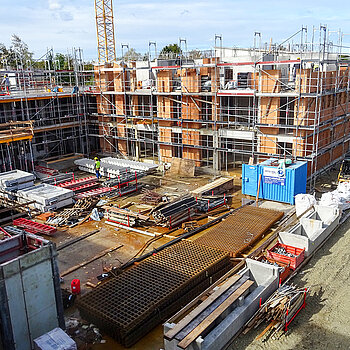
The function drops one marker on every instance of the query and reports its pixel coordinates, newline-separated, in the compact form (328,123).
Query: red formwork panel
(80,182)
(293,261)
(34,227)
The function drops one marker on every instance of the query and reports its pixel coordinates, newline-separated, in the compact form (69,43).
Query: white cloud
(54,5)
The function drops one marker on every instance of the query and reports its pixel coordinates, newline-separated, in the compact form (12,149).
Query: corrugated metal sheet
(280,190)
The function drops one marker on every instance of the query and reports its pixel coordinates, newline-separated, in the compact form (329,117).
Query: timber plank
(193,335)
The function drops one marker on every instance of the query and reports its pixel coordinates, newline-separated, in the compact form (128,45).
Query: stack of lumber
(213,310)
(81,207)
(279,310)
(124,216)
(219,186)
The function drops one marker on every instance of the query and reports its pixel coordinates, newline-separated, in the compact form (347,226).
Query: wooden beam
(195,333)
(204,101)
(86,262)
(173,99)
(194,313)
(193,100)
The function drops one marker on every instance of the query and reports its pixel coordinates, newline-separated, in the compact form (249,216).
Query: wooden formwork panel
(120,78)
(324,137)
(190,80)
(270,130)
(164,80)
(339,131)
(205,70)
(343,77)
(103,79)
(269,81)
(337,152)
(122,147)
(119,104)
(166,153)
(164,135)
(306,81)
(135,105)
(215,79)
(132,77)
(305,111)
(269,110)
(298,147)
(164,107)
(191,137)
(121,130)
(323,160)
(106,141)
(104,104)
(191,108)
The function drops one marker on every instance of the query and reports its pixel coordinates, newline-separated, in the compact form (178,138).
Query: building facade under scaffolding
(218,108)
(229,105)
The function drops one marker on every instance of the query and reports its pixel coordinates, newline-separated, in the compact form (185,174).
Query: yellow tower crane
(105,31)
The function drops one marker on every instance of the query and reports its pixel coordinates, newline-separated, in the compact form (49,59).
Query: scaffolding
(217,107)
(223,106)
(43,113)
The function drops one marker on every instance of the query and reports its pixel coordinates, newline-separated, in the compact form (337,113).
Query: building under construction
(208,258)
(217,107)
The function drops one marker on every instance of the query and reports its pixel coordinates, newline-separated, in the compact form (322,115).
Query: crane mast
(105,31)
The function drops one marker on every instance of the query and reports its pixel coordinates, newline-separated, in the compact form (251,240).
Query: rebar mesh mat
(240,230)
(131,304)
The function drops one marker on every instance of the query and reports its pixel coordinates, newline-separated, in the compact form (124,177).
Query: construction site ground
(109,236)
(322,325)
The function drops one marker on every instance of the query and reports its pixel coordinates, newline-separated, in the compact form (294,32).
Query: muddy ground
(325,323)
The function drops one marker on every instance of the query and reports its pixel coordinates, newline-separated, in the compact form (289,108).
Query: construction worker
(6,82)
(97,167)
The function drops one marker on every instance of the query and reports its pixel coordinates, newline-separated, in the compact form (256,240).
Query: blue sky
(63,24)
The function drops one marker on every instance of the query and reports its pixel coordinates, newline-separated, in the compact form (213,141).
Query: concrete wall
(30,297)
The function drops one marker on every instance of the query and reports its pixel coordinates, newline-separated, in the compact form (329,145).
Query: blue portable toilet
(278,183)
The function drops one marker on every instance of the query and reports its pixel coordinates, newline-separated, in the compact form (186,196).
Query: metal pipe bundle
(206,205)
(176,212)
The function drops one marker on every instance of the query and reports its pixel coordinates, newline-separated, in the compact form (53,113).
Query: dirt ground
(324,323)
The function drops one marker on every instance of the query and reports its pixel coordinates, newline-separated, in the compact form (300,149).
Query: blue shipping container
(279,184)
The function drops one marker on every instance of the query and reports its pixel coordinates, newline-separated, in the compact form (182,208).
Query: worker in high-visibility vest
(97,167)
(6,83)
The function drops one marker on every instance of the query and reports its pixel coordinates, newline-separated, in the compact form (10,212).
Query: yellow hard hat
(96,158)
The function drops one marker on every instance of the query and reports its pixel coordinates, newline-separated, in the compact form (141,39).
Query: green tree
(171,48)
(21,51)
